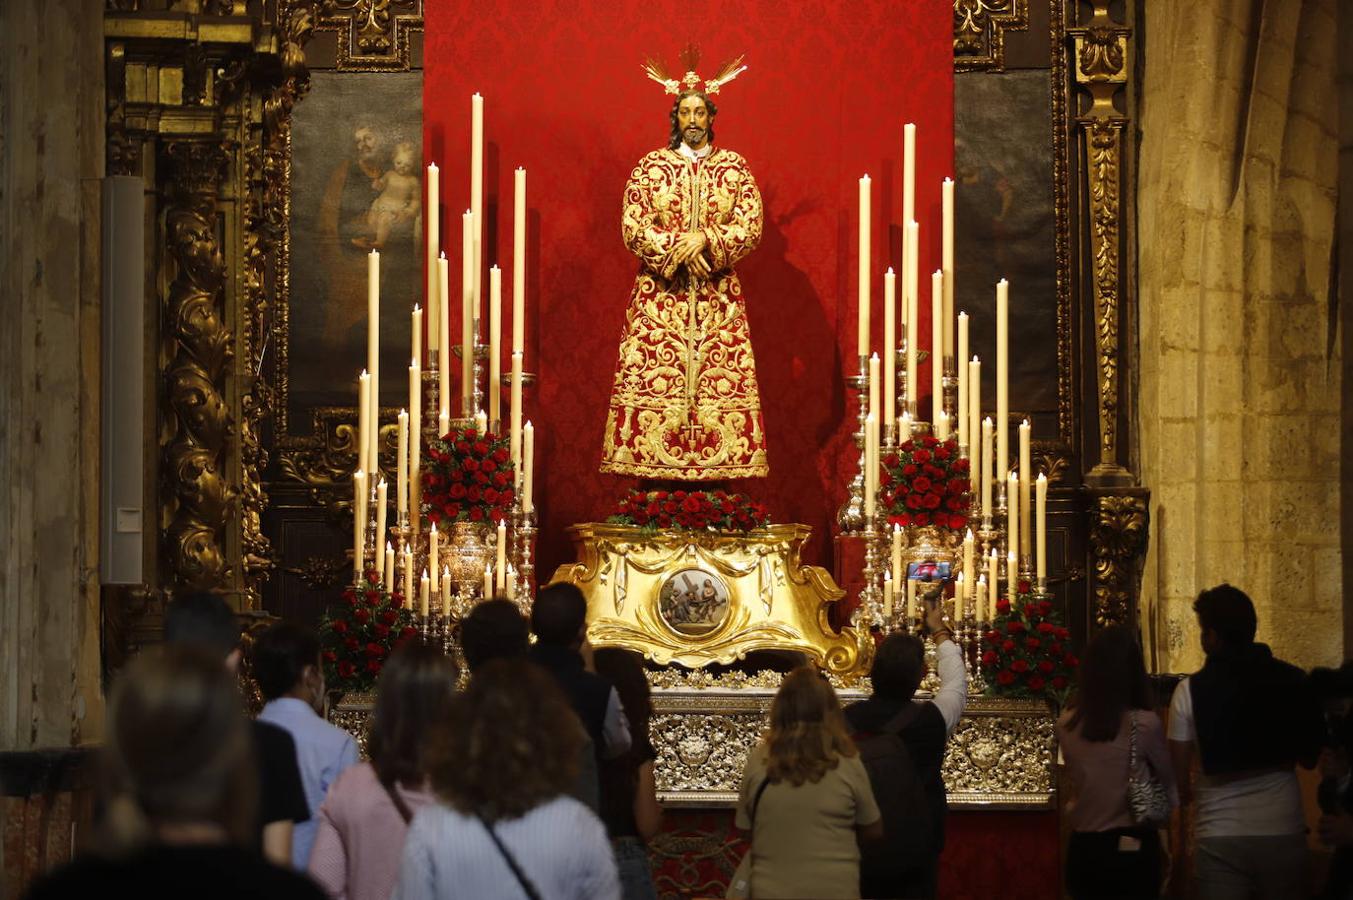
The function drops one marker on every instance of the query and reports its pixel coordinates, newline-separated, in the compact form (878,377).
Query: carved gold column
(1118,512)
(196,355)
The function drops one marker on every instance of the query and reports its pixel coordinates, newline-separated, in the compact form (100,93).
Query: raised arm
(952,695)
(644,234)
(727,243)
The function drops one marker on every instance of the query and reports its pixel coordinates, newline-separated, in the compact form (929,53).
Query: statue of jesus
(684,404)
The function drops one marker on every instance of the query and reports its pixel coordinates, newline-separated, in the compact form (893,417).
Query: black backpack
(908,827)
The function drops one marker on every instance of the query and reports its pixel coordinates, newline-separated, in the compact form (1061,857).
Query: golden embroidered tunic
(685,404)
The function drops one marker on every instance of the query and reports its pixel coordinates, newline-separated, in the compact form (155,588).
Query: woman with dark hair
(805,798)
(629,797)
(366,815)
(502,764)
(179,790)
(1110,854)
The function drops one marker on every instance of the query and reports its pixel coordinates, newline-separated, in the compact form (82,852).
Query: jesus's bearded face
(693,120)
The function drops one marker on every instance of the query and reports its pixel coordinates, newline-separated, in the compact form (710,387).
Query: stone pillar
(51,160)
(1240,367)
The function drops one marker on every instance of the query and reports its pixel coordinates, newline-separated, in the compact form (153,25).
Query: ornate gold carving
(979,32)
(197,428)
(1001,753)
(1060,88)
(331,456)
(373,35)
(1051,459)
(1100,52)
(794,619)
(1118,541)
(319,572)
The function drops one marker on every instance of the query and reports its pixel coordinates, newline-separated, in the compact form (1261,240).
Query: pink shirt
(360,840)
(1099,771)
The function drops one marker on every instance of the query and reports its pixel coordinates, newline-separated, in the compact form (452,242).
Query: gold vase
(467,548)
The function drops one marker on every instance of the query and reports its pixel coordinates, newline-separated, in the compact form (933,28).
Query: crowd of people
(534,776)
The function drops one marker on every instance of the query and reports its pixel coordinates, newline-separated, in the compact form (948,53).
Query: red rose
(922,519)
(407,632)
(374,649)
(1046,667)
(351,597)
(1019,665)
(1023,586)
(961,465)
(382,630)
(1036,683)
(943,452)
(351,643)
(452,510)
(664,521)
(339,626)
(691,504)
(490,495)
(1046,628)
(1062,633)
(1003,605)
(488,465)
(1005,677)
(659,495)
(1071,660)
(501,456)
(891,460)
(1044,608)
(1014,626)
(372,577)
(330,656)
(992,637)
(1007,646)
(462,447)
(909,470)
(390,615)
(930,441)
(1059,682)
(921,484)
(361,616)
(989,658)
(373,599)
(1032,643)
(501,479)
(346,669)
(474,494)
(373,666)
(476,514)
(932,501)
(457,492)
(921,456)
(913,501)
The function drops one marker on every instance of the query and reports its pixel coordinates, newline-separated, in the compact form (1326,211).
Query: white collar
(695,155)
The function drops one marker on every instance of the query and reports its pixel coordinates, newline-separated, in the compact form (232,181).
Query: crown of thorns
(690,58)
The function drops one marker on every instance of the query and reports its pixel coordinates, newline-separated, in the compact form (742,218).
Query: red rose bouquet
(1026,653)
(692,510)
(925,482)
(468,477)
(359,633)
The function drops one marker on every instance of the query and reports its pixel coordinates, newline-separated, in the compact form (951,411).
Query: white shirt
(1265,805)
(953,691)
(561,847)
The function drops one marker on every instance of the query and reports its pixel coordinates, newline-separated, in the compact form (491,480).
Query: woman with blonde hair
(179,791)
(805,798)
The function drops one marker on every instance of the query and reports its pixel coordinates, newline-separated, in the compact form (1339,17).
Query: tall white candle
(993,587)
(979,605)
(969,554)
(434,550)
(964,414)
(442,323)
(477,192)
(1012,577)
(407,564)
(363,420)
(1002,375)
(514,436)
(446,591)
(382,511)
(896,561)
(528,462)
(416,331)
(947,264)
(1025,485)
(1042,524)
(909,289)
(908,172)
(889,348)
(887,595)
(936,344)
(500,564)
(519,261)
(862,339)
(960,594)
(988,475)
(975,421)
(423,595)
(1012,529)
(432,229)
(467,313)
(488,581)
(373,352)
(495,346)
(942,426)
(389,578)
(870,465)
(415,445)
(904,426)
(358,524)
(874,387)
(402,467)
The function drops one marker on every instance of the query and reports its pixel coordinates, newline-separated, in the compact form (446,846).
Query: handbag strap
(525,882)
(1132,742)
(756,800)
(400,806)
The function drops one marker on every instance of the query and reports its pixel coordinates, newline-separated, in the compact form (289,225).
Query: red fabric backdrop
(823,102)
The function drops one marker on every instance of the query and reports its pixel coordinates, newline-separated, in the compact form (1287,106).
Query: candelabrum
(523,538)
(949,380)
(850,517)
(871,600)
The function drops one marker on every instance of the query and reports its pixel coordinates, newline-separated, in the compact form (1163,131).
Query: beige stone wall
(51,160)
(1239,371)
